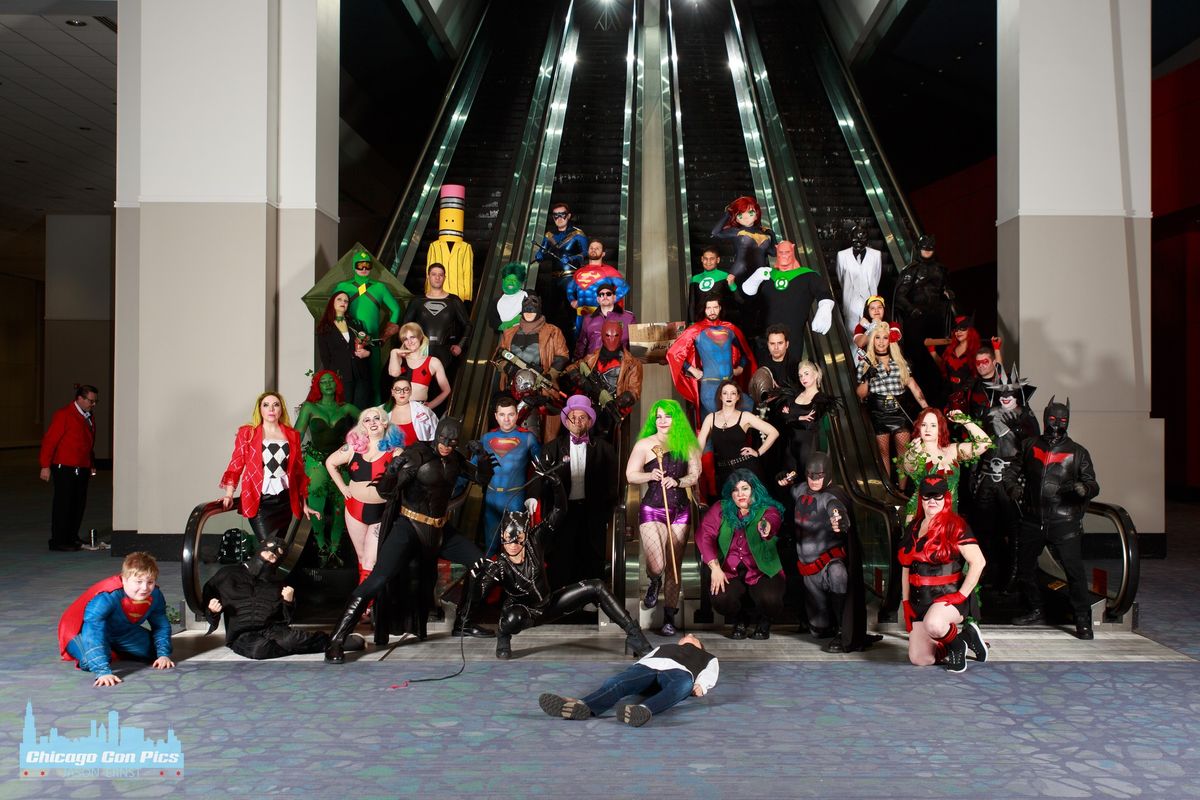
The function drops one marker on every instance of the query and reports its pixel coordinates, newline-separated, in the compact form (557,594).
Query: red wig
(972,348)
(325,323)
(943,532)
(314,390)
(740,206)
(943,425)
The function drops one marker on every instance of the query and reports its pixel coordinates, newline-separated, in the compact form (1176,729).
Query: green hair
(760,501)
(681,439)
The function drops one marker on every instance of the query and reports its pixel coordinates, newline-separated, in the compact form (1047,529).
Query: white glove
(751,284)
(823,318)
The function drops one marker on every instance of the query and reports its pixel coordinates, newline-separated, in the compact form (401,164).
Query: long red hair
(943,531)
(740,206)
(314,389)
(326,321)
(943,425)
(972,348)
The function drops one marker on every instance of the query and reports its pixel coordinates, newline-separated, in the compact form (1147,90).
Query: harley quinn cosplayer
(936,592)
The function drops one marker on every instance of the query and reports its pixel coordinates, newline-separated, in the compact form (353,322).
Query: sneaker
(956,656)
(975,643)
(564,707)
(634,715)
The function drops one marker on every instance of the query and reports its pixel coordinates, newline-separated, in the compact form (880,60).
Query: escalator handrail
(1130,556)
(425,168)
(296,538)
(865,119)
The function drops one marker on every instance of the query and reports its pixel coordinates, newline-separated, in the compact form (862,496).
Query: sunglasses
(606,294)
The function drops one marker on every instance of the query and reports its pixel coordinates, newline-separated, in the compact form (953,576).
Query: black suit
(577,550)
(337,355)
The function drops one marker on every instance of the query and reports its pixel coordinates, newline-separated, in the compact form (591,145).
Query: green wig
(760,498)
(681,439)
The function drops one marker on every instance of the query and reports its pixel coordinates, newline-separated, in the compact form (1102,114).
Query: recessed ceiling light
(20,161)
(84,128)
(77,23)
(89,188)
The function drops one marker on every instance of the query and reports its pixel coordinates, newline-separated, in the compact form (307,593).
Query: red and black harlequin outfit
(930,577)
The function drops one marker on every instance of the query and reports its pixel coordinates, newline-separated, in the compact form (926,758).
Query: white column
(1073,228)
(226,190)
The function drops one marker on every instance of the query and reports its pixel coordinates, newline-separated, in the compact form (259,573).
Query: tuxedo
(577,550)
(860,280)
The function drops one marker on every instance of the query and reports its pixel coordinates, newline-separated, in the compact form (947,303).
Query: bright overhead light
(77,23)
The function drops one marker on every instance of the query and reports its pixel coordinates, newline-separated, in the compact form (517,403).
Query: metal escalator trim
(1130,556)
(296,538)
(397,247)
(631,154)
(679,240)
(852,116)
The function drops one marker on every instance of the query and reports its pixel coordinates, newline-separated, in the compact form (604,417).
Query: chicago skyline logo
(108,751)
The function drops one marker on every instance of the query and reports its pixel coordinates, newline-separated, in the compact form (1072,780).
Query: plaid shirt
(886,381)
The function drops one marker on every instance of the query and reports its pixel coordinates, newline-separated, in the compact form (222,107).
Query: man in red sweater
(67,457)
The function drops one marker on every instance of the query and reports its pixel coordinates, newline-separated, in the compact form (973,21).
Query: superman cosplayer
(105,622)
(513,449)
(706,353)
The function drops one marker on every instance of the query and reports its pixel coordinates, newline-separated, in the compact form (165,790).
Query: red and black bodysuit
(365,471)
(933,574)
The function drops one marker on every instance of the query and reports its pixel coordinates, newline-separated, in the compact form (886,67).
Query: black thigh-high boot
(462,621)
(335,652)
(635,639)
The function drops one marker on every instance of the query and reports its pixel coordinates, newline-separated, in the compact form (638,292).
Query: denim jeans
(673,685)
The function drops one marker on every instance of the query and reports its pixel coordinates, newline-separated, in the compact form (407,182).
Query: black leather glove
(479,567)
(1080,488)
(868,375)
(626,399)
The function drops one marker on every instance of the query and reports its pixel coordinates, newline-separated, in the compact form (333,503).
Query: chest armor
(525,346)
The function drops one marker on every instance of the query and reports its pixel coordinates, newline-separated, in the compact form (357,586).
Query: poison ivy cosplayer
(932,452)
(326,418)
(666,460)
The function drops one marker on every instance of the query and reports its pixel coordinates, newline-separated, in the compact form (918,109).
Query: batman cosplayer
(519,570)
(257,607)
(1059,482)
(829,559)
(923,306)
(415,532)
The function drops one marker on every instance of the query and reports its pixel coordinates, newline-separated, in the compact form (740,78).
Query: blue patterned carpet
(768,730)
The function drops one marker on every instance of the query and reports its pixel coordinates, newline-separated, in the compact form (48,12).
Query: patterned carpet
(808,729)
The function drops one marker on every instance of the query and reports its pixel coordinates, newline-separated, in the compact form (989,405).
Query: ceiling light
(77,23)
(20,161)
(84,128)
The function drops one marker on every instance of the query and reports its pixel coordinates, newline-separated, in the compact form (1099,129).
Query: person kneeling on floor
(666,676)
(519,571)
(937,595)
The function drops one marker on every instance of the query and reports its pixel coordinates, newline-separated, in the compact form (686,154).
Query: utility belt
(733,462)
(885,402)
(813,567)
(416,516)
(933,580)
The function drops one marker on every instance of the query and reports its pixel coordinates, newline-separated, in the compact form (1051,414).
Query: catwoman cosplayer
(416,528)
(520,572)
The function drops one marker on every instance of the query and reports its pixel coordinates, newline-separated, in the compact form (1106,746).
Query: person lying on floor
(666,676)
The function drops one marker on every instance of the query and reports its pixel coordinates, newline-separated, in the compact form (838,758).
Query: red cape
(71,621)
(683,351)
